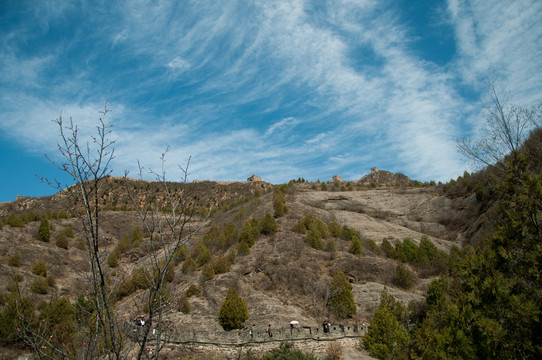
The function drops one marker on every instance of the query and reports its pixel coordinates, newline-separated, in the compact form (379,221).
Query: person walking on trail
(251,332)
(269,331)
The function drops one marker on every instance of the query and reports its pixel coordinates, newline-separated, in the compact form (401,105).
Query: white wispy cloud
(281,125)
(282,89)
(501,38)
(178,63)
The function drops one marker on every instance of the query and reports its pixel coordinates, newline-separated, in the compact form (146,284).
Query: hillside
(282,279)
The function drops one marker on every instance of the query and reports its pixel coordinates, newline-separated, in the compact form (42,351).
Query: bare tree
(167,217)
(88,165)
(506,127)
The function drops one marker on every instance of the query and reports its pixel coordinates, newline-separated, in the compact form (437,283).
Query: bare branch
(506,127)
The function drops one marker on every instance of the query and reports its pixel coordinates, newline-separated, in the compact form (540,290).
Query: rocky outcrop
(254,178)
(384,178)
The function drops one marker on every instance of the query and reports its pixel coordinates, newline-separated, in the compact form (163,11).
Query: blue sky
(282,89)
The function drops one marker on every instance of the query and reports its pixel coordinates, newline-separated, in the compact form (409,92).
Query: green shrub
(267,224)
(355,246)
(371,244)
(61,241)
(170,271)
(12,309)
(141,280)
(51,281)
(341,300)
(434,256)
(231,256)
(386,338)
(125,288)
(180,254)
(183,305)
(251,225)
(211,236)
(113,258)
(68,231)
(201,253)
(330,245)
(318,227)
(44,233)
(59,315)
(403,277)
(233,311)
(193,290)
(227,236)
(136,238)
(349,234)
(15,221)
(220,265)
(39,285)
(334,229)
(207,272)
(125,243)
(12,286)
(247,237)
(15,260)
(189,266)
(299,228)
(323,187)
(243,249)
(279,203)
(409,249)
(80,244)
(314,240)
(40,268)
(388,249)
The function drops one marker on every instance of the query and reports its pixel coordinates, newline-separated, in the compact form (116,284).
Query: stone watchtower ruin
(254,178)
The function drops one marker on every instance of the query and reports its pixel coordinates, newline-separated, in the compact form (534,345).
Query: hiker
(269,331)
(251,332)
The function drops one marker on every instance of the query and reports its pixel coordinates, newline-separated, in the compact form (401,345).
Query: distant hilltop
(253,178)
(384,178)
(380,178)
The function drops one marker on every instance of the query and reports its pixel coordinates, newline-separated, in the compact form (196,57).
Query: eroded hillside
(282,278)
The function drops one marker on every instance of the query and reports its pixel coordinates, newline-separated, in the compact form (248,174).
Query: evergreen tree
(355,246)
(396,307)
(279,203)
(267,224)
(403,276)
(40,268)
(491,305)
(341,300)
(233,312)
(44,233)
(386,338)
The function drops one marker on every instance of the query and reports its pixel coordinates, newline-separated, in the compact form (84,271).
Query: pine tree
(267,224)
(279,203)
(233,312)
(44,233)
(386,338)
(355,246)
(341,300)
(490,306)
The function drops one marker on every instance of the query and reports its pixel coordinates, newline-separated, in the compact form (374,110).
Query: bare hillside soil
(282,279)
